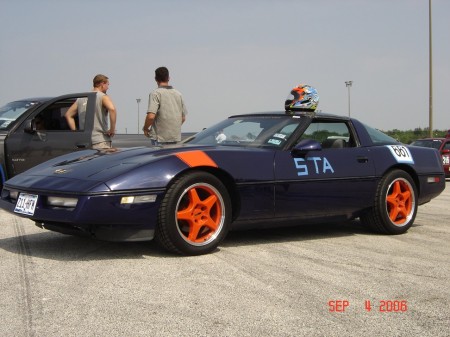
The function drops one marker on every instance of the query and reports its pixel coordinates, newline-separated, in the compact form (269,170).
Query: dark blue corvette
(249,170)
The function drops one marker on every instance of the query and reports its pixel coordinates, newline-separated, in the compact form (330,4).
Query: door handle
(362,159)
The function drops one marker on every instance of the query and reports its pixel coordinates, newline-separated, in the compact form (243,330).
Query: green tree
(408,136)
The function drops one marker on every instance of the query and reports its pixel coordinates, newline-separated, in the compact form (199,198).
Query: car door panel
(324,183)
(28,147)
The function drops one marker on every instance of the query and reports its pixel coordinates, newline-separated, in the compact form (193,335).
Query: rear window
(433,143)
(379,138)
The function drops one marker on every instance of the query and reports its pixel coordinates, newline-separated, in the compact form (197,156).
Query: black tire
(195,214)
(395,204)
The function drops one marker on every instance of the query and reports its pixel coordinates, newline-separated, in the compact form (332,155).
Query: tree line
(408,136)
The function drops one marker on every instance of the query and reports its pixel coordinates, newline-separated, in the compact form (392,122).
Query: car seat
(333,143)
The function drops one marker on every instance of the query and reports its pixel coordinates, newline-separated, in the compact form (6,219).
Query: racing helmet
(302,98)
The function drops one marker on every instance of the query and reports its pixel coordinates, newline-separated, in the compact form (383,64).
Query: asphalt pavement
(325,280)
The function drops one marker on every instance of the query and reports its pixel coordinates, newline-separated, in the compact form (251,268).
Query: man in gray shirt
(166,111)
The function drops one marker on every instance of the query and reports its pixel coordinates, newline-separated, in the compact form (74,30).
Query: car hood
(144,168)
(115,169)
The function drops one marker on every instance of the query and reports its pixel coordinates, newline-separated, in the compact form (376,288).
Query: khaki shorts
(102,145)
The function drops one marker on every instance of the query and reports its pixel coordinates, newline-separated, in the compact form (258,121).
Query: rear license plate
(26,204)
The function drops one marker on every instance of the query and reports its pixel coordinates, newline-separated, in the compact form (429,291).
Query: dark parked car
(34,130)
(266,169)
(440,144)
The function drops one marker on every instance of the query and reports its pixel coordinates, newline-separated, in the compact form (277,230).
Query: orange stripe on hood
(196,158)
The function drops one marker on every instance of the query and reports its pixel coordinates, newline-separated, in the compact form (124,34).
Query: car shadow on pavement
(294,233)
(56,246)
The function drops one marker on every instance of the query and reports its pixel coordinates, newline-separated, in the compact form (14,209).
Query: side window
(329,134)
(446,146)
(378,137)
(52,118)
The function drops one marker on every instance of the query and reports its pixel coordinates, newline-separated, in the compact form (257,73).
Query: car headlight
(62,202)
(13,194)
(138,199)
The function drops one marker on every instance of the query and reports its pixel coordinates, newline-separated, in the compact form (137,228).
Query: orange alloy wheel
(400,201)
(200,214)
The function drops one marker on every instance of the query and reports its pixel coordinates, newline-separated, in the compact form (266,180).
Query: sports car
(254,170)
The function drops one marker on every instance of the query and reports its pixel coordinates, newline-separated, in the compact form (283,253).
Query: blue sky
(233,56)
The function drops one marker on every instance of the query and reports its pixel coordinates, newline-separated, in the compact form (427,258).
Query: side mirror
(28,127)
(304,146)
(446,151)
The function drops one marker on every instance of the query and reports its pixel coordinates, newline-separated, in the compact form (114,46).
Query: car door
(45,134)
(334,179)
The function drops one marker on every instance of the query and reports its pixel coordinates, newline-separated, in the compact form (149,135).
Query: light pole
(138,100)
(430,113)
(348,84)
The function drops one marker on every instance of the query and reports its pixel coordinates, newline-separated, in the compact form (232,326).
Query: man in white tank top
(102,133)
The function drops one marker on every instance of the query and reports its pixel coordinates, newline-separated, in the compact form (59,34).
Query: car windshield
(433,143)
(10,112)
(256,131)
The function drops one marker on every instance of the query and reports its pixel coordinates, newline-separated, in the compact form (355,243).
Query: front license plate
(26,204)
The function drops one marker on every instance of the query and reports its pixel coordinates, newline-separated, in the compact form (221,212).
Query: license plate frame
(26,204)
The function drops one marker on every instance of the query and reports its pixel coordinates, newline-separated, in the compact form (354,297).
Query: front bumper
(106,233)
(103,216)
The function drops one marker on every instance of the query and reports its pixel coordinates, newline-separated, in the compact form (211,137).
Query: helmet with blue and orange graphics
(302,98)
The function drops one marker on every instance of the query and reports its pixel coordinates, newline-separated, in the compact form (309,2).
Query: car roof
(34,99)
(310,114)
